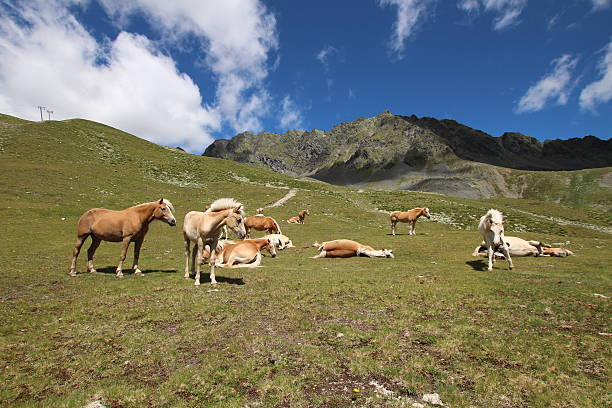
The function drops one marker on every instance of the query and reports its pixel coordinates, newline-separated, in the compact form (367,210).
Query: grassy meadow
(299,332)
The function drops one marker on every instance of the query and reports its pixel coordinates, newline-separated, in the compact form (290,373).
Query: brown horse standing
(129,225)
(410,216)
(261,223)
(300,217)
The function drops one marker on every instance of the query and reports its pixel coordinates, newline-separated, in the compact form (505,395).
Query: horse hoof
(92,271)
(119,276)
(138,272)
(197,283)
(73,274)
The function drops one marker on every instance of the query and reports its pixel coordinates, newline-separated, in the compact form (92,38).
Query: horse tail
(278,230)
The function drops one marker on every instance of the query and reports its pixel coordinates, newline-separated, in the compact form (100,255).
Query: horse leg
(213,260)
(75,253)
(490,255)
(412,227)
(507,254)
(187,253)
(321,254)
(95,242)
(137,246)
(393,227)
(200,248)
(124,248)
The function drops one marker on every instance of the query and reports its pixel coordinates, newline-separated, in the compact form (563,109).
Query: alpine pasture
(299,332)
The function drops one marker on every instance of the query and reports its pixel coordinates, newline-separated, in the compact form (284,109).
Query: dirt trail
(283,200)
(568,222)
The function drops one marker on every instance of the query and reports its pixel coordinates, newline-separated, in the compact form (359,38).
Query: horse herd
(204,229)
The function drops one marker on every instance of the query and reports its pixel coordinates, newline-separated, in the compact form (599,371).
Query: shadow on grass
(113,270)
(478,265)
(205,278)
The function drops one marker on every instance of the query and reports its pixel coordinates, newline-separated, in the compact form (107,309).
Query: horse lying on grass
(410,216)
(491,227)
(205,228)
(280,241)
(261,223)
(129,225)
(520,247)
(516,246)
(345,248)
(241,254)
(300,217)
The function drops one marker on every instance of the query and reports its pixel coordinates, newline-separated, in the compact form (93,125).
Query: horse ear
(238,209)
(504,218)
(161,200)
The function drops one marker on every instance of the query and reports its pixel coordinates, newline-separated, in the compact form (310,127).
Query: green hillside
(299,332)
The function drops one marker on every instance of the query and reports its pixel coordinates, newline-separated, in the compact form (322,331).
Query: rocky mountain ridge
(406,152)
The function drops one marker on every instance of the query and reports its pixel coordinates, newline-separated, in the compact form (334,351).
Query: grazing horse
(300,217)
(280,241)
(516,247)
(129,225)
(345,248)
(261,223)
(242,254)
(491,227)
(205,228)
(410,216)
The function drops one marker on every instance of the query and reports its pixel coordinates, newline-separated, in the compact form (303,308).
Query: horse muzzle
(172,223)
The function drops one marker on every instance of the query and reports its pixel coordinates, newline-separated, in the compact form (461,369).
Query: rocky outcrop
(407,152)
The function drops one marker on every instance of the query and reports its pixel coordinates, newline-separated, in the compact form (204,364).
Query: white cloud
(556,85)
(126,83)
(600,91)
(325,54)
(290,116)
(236,37)
(507,11)
(469,6)
(601,4)
(409,14)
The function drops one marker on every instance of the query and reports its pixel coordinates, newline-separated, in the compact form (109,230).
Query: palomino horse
(345,248)
(280,241)
(516,247)
(129,225)
(261,223)
(410,216)
(561,252)
(242,254)
(205,228)
(300,217)
(491,227)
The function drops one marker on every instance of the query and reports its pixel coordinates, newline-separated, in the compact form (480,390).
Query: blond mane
(224,204)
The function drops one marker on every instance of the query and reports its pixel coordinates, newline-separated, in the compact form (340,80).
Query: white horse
(205,227)
(491,227)
(517,247)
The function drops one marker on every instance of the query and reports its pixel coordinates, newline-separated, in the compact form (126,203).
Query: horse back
(108,225)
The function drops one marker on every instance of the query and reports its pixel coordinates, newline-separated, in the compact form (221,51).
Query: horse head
(496,226)
(271,247)
(388,253)
(426,212)
(163,212)
(235,221)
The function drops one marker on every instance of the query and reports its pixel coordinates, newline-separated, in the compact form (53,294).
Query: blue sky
(187,72)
